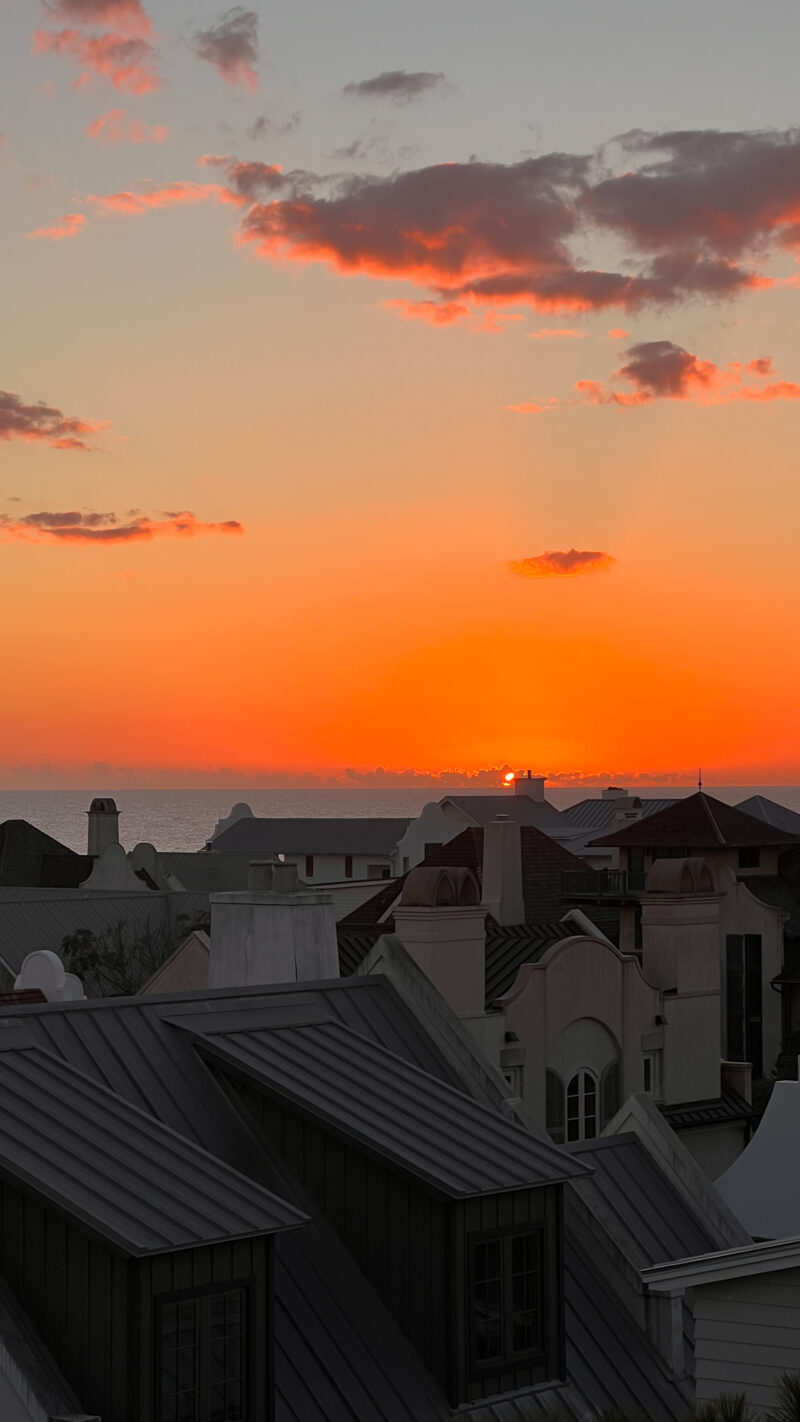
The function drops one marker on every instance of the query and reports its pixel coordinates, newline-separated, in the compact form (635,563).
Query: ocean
(184,819)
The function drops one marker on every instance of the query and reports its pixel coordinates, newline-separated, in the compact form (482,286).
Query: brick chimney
(502,870)
(272,932)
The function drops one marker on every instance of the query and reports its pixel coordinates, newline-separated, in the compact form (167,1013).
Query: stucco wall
(747,1332)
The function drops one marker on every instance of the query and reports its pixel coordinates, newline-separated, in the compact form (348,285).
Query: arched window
(554,1107)
(582,1106)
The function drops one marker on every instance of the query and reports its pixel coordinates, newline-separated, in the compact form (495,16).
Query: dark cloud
(662,370)
(232,47)
(43,424)
(399,86)
(555,564)
(265,127)
(107,528)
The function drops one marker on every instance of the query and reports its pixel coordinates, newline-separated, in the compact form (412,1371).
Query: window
(743,980)
(514,1077)
(348,866)
(309,866)
(554,1107)
(749,858)
(432,847)
(378,871)
(647,1074)
(506,1299)
(582,1107)
(202,1358)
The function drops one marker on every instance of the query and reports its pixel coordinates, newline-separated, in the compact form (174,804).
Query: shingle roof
(251,835)
(698,822)
(113,1168)
(426,1129)
(599,814)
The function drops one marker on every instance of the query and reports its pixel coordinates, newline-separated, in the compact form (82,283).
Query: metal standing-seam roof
(117,1171)
(427,1129)
(599,814)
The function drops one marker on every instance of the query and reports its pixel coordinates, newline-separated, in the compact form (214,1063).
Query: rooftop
(251,835)
(698,822)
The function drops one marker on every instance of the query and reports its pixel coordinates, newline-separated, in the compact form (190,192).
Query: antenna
(699,777)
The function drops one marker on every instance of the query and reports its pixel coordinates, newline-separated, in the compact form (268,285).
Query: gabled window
(506,1299)
(203,1357)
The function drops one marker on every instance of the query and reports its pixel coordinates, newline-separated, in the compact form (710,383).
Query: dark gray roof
(644,1202)
(113,1168)
(428,1130)
(482,809)
(507,948)
(31,919)
(772,812)
(698,822)
(207,872)
(251,835)
(599,814)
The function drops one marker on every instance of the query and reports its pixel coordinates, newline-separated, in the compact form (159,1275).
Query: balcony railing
(601,883)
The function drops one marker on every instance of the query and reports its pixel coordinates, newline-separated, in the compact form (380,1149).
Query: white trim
(742,1263)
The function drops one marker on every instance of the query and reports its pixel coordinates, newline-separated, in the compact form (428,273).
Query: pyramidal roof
(699,822)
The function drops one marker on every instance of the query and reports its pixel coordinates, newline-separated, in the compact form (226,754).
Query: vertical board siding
(747,1333)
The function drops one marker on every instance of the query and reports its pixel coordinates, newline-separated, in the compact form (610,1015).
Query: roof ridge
(709,812)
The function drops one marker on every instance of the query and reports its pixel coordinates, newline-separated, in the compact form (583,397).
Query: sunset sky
(407,386)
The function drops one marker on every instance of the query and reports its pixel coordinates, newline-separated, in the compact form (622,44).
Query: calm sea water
(184,819)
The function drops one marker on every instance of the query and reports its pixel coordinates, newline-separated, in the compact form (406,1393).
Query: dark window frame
(204,1295)
(744,1036)
(509,1357)
(348,866)
(309,874)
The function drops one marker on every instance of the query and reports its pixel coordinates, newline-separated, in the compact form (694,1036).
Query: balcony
(595,884)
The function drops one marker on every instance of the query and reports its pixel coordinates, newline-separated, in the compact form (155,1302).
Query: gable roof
(31,858)
(424,1128)
(118,1172)
(698,822)
(252,835)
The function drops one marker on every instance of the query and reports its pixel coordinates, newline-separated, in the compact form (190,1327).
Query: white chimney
(614,792)
(502,870)
(530,785)
(441,922)
(272,932)
(103,825)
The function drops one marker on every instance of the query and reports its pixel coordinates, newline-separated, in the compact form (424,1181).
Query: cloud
(44,424)
(617,334)
(399,86)
(436,313)
(232,47)
(157,195)
(547,333)
(662,370)
(559,565)
(125,16)
(127,62)
(68,225)
(115,127)
(265,127)
(106,528)
(535,407)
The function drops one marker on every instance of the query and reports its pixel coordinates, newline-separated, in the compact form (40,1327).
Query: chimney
(627,808)
(530,785)
(502,871)
(272,932)
(103,826)
(613,792)
(442,924)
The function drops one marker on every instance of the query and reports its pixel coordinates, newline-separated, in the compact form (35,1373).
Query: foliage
(729,1407)
(120,960)
(787,1408)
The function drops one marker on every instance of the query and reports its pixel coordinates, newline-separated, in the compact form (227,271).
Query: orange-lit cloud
(115,127)
(661,370)
(436,313)
(561,333)
(231,46)
(157,195)
(128,62)
(106,528)
(44,424)
(126,16)
(555,564)
(68,225)
(617,334)
(535,407)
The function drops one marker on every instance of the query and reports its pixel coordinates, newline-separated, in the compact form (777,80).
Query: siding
(747,1333)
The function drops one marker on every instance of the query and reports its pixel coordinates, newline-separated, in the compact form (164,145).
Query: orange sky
(377,452)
